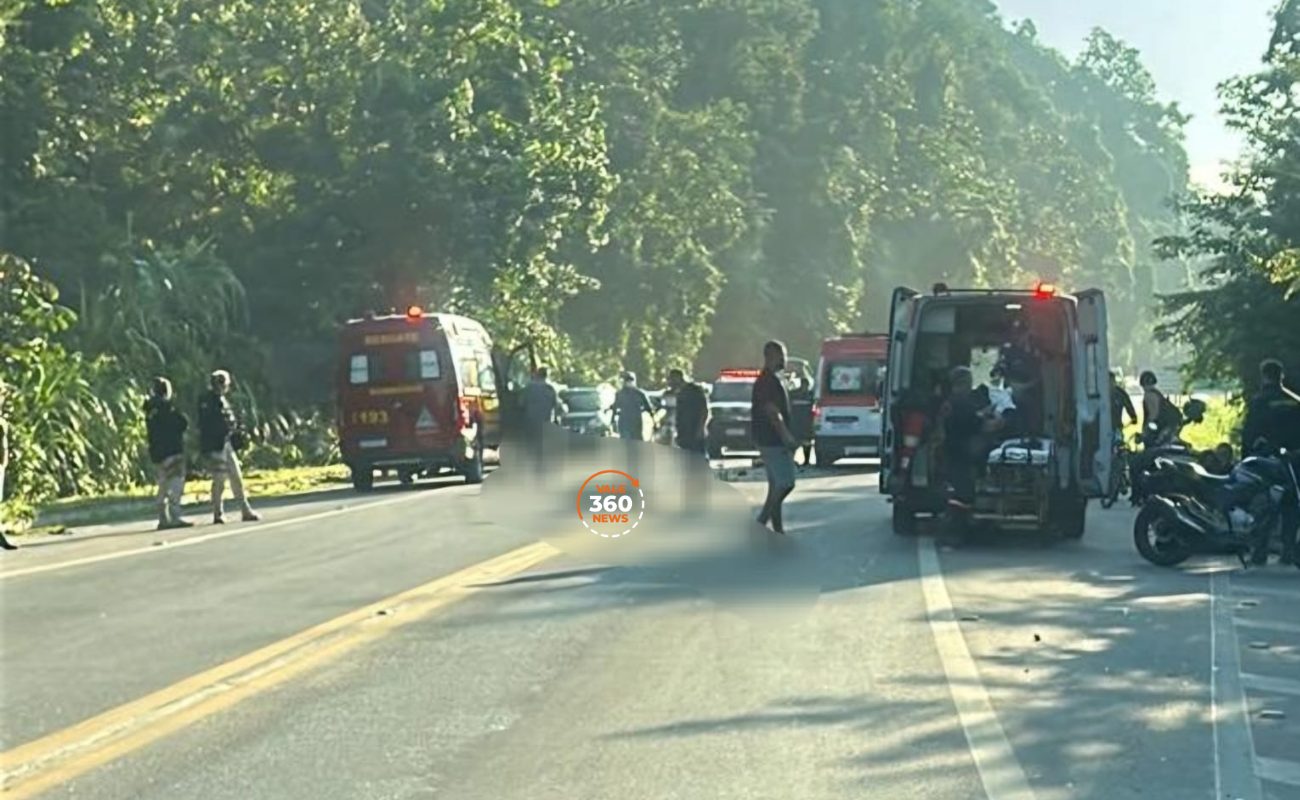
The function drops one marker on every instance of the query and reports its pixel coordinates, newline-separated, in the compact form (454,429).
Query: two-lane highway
(412,649)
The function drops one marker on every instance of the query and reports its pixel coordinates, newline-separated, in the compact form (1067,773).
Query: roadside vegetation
(621,183)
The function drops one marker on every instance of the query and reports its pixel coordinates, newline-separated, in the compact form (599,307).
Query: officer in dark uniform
(1273,421)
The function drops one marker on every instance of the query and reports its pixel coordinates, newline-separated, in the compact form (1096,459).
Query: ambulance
(418,395)
(847,402)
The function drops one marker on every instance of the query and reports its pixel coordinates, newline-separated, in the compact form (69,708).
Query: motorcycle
(1191,510)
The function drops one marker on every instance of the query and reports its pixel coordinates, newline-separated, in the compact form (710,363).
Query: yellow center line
(59,757)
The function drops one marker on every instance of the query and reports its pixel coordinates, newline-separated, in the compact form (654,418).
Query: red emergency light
(1043,290)
(414,312)
(740,373)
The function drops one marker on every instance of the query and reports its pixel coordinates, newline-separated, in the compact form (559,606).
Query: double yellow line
(59,757)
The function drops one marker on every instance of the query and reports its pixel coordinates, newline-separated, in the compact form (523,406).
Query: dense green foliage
(1248,307)
(620,182)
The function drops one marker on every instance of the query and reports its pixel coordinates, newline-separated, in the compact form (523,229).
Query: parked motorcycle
(1191,510)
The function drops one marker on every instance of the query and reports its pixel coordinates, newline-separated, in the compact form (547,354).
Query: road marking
(208,537)
(1271,685)
(59,757)
(1266,625)
(995,759)
(1279,770)
(1234,748)
(1243,589)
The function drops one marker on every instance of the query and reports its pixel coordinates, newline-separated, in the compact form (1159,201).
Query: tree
(1245,307)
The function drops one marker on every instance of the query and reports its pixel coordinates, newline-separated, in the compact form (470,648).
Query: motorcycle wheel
(1160,548)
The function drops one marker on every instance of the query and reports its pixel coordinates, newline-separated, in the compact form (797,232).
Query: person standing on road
(218,434)
(630,406)
(166,426)
(1273,421)
(541,410)
(690,414)
(1120,404)
(4,458)
(770,427)
(801,411)
(691,425)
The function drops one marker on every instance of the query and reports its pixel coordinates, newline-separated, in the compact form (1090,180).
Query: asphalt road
(404,645)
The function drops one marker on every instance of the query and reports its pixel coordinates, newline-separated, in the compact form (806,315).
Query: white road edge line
(995,760)
(1243,589)
(1234,745)
(1266,624)
(1279,770)
(208,537)
(1270,685)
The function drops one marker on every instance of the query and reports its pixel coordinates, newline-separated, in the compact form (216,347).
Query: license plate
(373,443)
(859,451)
(841,420)
(735,431)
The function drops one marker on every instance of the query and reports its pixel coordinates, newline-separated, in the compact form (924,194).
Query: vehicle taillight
(816,412)
(464,418)
(911,429)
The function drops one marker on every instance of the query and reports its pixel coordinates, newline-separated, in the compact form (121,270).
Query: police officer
(166,426)
(218,429)
(1273,421)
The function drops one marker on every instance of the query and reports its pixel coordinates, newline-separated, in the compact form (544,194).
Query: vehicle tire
(1071,515)
(715,452)
(474,471)
(825,457)
(363,479)
(1173,550)
(904,519)
(406,477)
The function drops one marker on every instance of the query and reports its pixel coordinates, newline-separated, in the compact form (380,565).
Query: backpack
(1169,418)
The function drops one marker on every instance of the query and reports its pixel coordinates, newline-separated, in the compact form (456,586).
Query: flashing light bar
(414,312)
(740,373)
(1044,290)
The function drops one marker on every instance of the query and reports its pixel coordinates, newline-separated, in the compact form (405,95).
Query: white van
(1039,478)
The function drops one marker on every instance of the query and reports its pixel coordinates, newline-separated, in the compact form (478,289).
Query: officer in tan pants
(217,425)
(166,428)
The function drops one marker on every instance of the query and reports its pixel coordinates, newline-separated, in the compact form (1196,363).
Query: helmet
(1194,410)
(1148,378)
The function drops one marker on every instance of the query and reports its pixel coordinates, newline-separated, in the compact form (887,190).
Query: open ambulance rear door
(1093,431)
(902,315)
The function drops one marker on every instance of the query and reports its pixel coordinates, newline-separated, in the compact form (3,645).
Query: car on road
(729,415)
(846,410)
(1041,476)
(588,409)
(417,395)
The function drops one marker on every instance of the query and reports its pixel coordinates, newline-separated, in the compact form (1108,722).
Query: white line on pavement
(1267,625)
(1243,589)
(995,759)
(1234,747)
(1270,685)
(1279,770)
(208,537)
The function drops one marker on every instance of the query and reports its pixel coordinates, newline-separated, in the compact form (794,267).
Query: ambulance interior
(974,332)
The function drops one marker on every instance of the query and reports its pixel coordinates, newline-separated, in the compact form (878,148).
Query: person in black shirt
(967,420)
(1120,404)
(690,423)
(1273,421)
(770,427)
(218,429)
(691,414)
(165,427)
